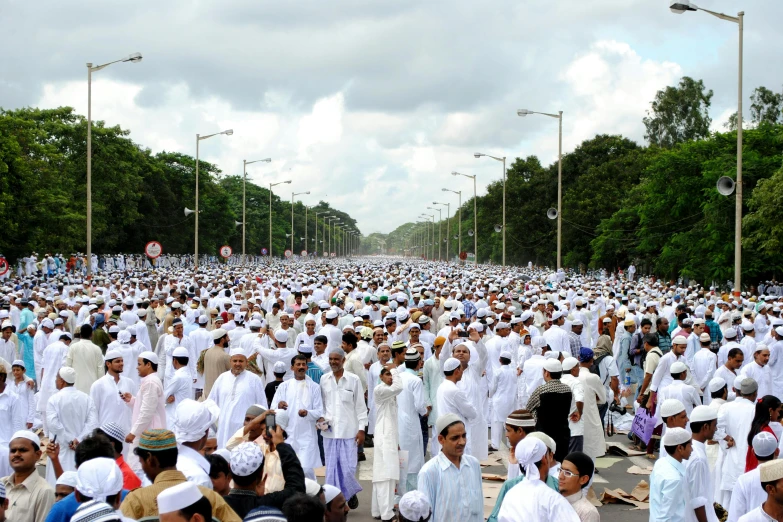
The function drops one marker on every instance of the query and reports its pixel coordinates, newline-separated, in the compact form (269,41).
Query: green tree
(679,114)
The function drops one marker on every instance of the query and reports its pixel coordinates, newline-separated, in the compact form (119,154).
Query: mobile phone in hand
(271,424)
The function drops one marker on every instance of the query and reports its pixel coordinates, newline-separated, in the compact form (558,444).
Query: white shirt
(70,415)
(757,515)
(534,501)
(109,406)
(234,395)
(668,491)
(193,466)
(13,415)
(746,495)
(302,395)
(701,487)
(180,386)
(762,375)
(704,365)
(735,418)
(578,392)
(344,408)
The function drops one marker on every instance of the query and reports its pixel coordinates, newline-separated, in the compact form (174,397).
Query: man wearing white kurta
(129,352)
(759,371)
(106,393)
(386,462)
(174,341)
(279,353)
(301,397)
(593,443)
(433,377)
(748,493)
(234,391)
(180,386)
(410,405)
(70,416)
(193,421)
(201,338)
(86,358)
(575,423)
(53,359)
(735,419)
(502,393)
(701,482)
(452,399)
(346,416)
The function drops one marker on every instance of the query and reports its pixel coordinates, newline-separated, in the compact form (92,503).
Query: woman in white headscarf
(532,500)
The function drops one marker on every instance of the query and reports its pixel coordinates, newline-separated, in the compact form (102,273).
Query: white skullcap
(178,497)
(124,336)
(414,506)
(218,333)
(676,436)
(112,354)
(548,441)
(95,511)
(203,319)
(180,351)
(450,364)
(771,471)
(27,434)
(236,351)
(557,315)
(569,363)
(330,492)
(671,407)
(246,458)
(331,314)
(505,354)
(68,374)
(312,488)
(553,365)
(528,452)
(99,478)
(730,333)
(679,339)
(193,419)
(779,330)
(737,384)
(282,418)
(705,337)
(716,384)
(577,322)
(150,356)
(677,368)
(764,444)
(446,420)
(281,336)
(68,478)
(703,413)
(476,326)
(748,327)
(279,367)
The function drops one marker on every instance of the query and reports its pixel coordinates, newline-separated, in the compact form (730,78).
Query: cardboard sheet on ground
(615,496)
(621,449)
(641,492)
(606,462)
(494,477)
(592,498)
(492,460)
(636,470)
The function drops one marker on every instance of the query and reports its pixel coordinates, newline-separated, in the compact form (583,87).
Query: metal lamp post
(228,132)
(245,163)
(293,195)
(133,58)
(679,7)
(559,116)
(503,160)
(440,219)
(475,213)
(270,212)
(459,219)
(448,225)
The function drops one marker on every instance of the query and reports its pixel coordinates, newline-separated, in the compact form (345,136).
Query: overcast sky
(372,104)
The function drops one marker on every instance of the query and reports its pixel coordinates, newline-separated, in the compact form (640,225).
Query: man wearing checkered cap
(116,435)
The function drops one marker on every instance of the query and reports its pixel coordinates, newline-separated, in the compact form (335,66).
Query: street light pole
(503,159)
(245,163)
(440,219)
(559,116)
(133,58)
(448,226)
(679,8)
(293,194)
(475,214)
(228,132)
(316,231)
(270,213)
(459,219)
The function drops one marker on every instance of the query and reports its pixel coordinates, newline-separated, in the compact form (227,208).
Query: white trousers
(383,499)
(498,430)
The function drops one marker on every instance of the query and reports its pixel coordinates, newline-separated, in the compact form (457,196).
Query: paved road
(612,474)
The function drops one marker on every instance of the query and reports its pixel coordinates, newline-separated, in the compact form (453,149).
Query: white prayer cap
(705,337)
(236,351)
(312,488)
(305,348)
(679,339)
(95,511)
(279,367)
(99,478)
(779,330)
(414,506)
(445,421)
(548,441)
(577,322)
(282,419)
(505,354)
(676,436)
(569,363)
(730,333)
(527,314)
(671,407)
(330,492)
(193,419)
(748,327)
(114,329)
(27,434)
(557,315)
(331,314)
(716,383)
(764,444)
(68,478)
(281,336)
(218,333)
(178,497)
(738,382)
(528,452)
(150,356)
(450,364)
(68,374)
(553,365)
(180,351)
(112,354)
(748,386)
(203,319)
(113,430)
(677,368)
(502,325)
(246,458)
(124,336)
(703,413)
(254,323)
(771,471)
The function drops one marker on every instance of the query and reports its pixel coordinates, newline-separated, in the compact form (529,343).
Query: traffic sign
(288,253)
(326,254)
(153,249)
(333,254)
(304,253)
(3,266)
(264,251)
(225,251)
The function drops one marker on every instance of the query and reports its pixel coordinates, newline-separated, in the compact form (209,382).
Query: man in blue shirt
(668,485)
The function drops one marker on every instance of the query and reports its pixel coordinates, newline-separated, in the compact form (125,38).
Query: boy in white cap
(735,419)
(704,423)
(414,507)
(771,476)
(70,416)
(184,503)
(278,353)
(677,389)
(668,483)
(180,385)
(748,491)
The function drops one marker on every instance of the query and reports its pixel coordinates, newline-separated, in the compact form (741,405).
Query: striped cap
(157,440)
(95,511)
(113,430)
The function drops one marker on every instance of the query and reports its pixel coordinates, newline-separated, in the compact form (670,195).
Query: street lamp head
(289,182)
(307,192)
(133,58)
(477,155)
(523,112)
(680,6)
(228,132)
(455,173)
(266,160)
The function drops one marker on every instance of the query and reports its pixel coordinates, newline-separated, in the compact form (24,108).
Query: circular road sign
(304,253)
(3,266)
(225,251)
(264,251)
(153,249)
(333,254)
(288,253)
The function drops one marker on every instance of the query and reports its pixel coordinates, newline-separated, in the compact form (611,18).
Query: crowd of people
(191,394)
